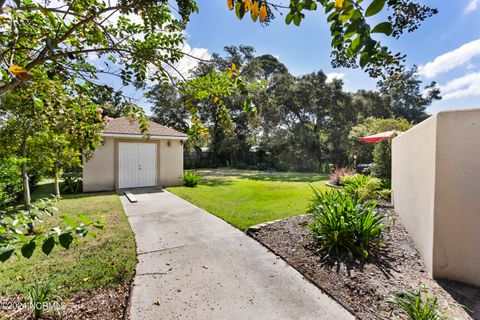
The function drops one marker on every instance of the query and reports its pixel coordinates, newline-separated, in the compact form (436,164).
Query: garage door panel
(137,165)
(127,165)
(147,164)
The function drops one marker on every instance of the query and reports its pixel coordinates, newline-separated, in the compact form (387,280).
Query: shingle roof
(125,126)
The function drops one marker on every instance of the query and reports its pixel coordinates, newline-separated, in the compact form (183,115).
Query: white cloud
(472,6)
(192,59)
(466,86)
(334,75)
(451,60)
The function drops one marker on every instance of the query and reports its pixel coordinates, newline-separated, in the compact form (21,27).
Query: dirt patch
(101,304)
(360,287)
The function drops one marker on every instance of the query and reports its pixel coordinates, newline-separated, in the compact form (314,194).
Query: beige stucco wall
(445,221)
(171,163)
(99,172)
(413,182)
(457,197)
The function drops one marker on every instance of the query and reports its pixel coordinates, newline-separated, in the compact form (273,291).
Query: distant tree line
(301,121)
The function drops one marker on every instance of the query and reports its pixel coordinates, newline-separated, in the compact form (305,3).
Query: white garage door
(137,165)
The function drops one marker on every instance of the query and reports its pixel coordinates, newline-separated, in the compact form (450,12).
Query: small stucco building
(126,159)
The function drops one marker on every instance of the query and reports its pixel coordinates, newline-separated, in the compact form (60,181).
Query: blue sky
(448,44)
(446,48)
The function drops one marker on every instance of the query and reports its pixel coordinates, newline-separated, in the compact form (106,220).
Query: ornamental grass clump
(38,296)
(190,178)
(343,223)
(416,305)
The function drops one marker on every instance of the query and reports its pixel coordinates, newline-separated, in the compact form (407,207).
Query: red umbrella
(376,138)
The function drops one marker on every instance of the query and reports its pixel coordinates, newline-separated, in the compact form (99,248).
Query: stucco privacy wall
(99,171)
(413,182)
(452,208)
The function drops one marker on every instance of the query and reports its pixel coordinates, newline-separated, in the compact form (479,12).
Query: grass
(245,198)
(107,260)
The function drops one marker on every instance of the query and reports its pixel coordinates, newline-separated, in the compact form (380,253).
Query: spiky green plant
(345,223)
(37,295)
(190,178)
(414,305)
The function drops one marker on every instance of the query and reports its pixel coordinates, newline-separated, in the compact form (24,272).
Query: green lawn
(245,198)
(107,260)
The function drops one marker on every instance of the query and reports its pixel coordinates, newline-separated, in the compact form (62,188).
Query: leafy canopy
(140,38)
(355,41)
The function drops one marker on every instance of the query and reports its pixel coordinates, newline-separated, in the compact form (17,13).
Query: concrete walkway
(193,265)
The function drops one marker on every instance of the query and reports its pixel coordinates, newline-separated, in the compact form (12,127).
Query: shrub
(37,296)
(414,305)
(338,174)
(72,183)
(11,184)
(190,178)
(382,160)
(343,223)
(385,194)
(366,187)
(354,182)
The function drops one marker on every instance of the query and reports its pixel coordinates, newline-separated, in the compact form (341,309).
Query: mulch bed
(101,304)
(360,287)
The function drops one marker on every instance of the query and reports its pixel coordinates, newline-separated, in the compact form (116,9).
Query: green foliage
(416,305)
(71,184)
(58,37)
(382,160)
(407,98)
(365,187)
(16,226)
(38,295)
(190,178)
(338,174)
(107,260)
(353,182)
(353,40)
(325,168)
(11,184)
(371,126)
(345,224)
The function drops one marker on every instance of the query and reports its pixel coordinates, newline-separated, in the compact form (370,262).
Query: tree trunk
(26,186)
(57,186)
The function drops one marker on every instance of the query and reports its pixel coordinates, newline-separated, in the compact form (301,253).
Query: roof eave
(140,136)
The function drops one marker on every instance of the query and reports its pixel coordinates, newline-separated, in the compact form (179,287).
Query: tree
(370,126)
(227,122)
(405,96)
(271,66)
(313,114)
(352,37)
(372,104)
(168,108)
(46,120)
(139,38)
(382,160)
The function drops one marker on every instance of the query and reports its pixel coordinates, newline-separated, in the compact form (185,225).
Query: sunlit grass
(245,198)
(106,260)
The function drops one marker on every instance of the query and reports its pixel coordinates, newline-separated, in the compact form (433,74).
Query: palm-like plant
(414,305)
(38,294)
(343,222)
